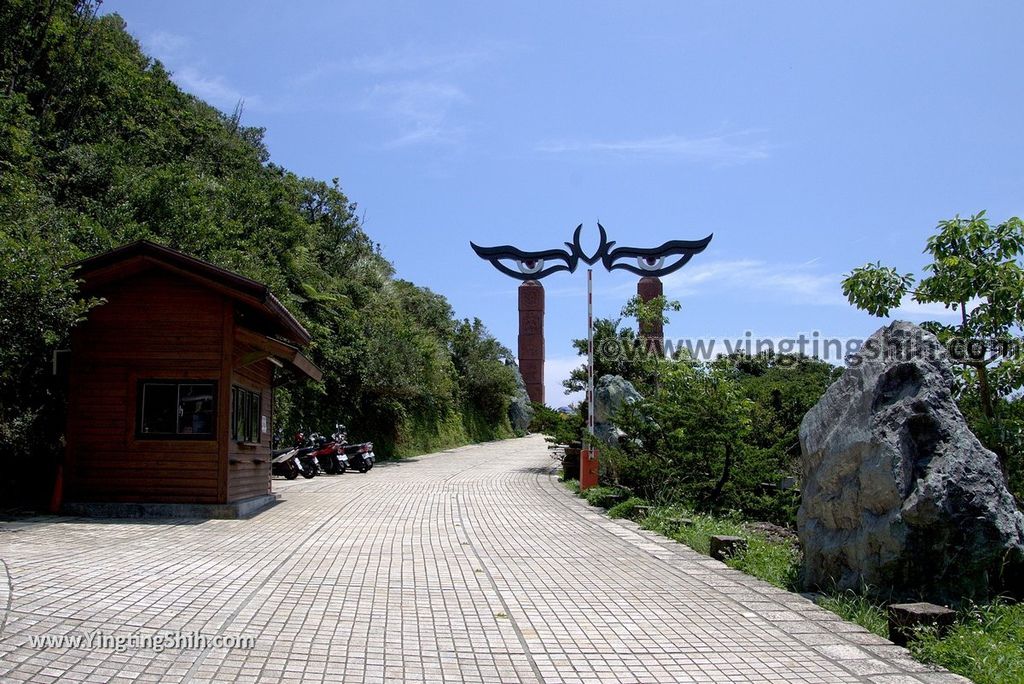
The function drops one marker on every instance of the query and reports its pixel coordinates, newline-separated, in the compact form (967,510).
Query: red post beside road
(531,338)
(652,332)
(588,468)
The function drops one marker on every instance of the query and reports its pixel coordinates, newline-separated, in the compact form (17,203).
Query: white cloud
(405,62)
(731,148)
(419,110)
(409,60)
(164,45)
(172,50)
(789,283)
(415,90)
(213,89)
(793,283)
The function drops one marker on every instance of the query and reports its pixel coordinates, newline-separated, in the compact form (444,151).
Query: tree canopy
(99,147)
(976,271)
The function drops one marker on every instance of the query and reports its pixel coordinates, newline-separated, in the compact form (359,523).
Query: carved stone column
(531,338)
(652,333)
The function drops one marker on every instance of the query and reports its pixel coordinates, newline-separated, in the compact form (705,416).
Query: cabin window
(172,409)
(245,415)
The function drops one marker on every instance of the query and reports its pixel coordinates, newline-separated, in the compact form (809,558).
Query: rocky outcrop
(611,393)
(898,494)
(520,412)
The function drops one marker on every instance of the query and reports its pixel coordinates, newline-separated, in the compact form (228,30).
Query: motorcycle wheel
(291,472)
(331,468)
(309,473)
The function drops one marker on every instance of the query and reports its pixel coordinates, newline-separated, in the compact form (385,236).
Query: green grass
(857,608)
(605,497)
(628,508)
(986,645)
(773,562)
(698,535)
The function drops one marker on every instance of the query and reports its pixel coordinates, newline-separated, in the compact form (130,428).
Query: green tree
(485,367)
(617,351)
(620,350)
(975,270)
(649,312)
(686,438)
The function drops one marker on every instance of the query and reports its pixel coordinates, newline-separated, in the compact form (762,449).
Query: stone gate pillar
(531,338)
(652,333)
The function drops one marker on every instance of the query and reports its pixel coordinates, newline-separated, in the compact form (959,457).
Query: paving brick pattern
(470,566)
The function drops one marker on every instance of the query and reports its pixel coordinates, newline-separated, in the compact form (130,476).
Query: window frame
(140,394)
(252,408)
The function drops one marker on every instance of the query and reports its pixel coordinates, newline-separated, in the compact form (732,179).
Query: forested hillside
(99,147)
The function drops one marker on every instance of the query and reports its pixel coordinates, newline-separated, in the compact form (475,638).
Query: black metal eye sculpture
(650,261)
(530,265)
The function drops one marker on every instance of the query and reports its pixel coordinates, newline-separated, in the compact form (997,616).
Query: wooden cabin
(171,384)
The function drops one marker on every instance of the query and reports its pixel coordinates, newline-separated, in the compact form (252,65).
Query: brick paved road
(474,565)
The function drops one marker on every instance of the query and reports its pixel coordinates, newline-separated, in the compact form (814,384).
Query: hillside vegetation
(99,147)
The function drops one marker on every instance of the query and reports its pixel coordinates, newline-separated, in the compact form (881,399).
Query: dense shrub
(719,435)
(630,508)
(605,497)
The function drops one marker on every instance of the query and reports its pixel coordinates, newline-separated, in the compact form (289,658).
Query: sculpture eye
(523,265)
(648,263)
(651,260)
(530,266)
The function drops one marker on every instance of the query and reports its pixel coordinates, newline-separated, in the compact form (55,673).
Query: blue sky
(809,137)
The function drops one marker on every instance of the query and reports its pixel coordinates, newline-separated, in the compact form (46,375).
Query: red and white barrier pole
(590,354)
(588,456)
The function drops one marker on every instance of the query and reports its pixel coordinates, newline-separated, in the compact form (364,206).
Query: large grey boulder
(520,412)
(611,393)
(898,494)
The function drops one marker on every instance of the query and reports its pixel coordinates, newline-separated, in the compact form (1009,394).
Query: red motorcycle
(329,454)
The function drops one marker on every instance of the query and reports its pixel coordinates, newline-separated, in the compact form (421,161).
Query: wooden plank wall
(246,477)
(154,325)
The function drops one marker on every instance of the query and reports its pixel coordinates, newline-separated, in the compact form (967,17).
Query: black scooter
(360,456)
(297,460)
(307,458)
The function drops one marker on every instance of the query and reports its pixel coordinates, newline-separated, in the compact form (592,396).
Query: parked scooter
(360,456)
(309,467)
(329,454)
(286,462)
(282,460)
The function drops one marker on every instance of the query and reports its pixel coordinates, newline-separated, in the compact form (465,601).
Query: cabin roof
(143,255)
